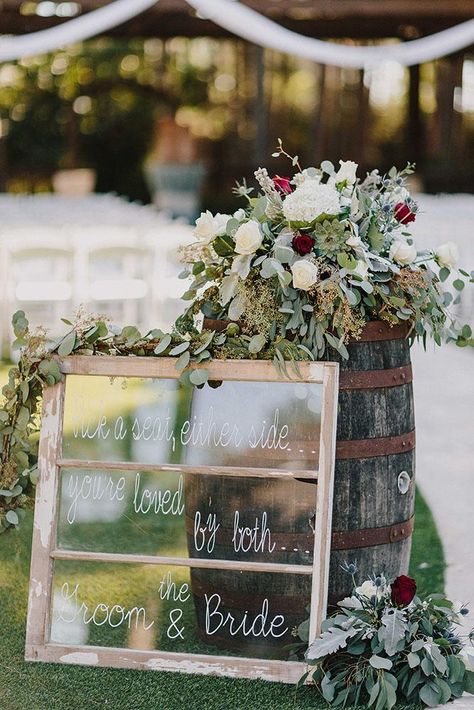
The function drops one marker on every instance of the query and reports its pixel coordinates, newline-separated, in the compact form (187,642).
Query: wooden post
(260,108)
(448,77)
(414,134)
(316,144)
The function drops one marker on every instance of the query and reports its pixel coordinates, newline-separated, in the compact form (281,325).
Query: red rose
(403,213)
(302,244)
(282,184)
(403,590)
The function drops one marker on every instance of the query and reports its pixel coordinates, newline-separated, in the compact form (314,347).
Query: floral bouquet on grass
(312,258)
(387,645)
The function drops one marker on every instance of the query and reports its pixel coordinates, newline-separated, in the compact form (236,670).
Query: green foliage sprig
(384,647)
(38,368)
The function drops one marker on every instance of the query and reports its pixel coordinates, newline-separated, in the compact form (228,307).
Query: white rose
(447,254)
(362,269)
(209,226)
(239,214)
(248,237)
(402,252)
(367,589)
(305,274)
(347,172)
(220,223)
(204,229)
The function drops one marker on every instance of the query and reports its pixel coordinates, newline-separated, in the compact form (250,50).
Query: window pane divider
(200,563)
(185,468)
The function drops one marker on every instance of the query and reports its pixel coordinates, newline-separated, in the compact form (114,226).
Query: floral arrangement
(386,645)
(313,257)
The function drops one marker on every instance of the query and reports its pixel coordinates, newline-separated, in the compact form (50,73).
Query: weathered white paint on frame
(38,646)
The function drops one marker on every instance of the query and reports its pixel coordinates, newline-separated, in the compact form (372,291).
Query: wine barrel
(373,492)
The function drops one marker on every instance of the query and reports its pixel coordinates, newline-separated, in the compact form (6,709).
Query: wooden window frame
(45,551)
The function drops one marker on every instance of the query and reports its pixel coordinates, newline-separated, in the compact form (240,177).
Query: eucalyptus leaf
(183,361)
(327,167)
(237,307)
(469,682)
(204,343)
(67,344)
(178,349)
(284,254)
(427,666)
(23,418)
(380,663)
(199,377)
(429,695)
(413,659)
(257,343)
(164,343)
(374,693)
(303,630)
(328,689)
(12,517)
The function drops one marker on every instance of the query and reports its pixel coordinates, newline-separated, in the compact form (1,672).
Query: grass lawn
(27,686)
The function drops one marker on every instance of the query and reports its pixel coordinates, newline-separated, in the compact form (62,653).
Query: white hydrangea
(310,200)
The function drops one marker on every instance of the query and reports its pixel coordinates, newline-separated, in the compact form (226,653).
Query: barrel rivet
(402,531)
(403,376)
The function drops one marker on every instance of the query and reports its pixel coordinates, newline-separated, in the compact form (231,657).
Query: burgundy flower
(403,213)
(403,590)
(282,184)
(302,244)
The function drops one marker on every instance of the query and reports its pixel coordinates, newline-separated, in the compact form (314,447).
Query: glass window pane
(181,514)
(249,424)
(148,607)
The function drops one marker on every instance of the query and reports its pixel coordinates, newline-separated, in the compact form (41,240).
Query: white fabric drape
(254,27)
(75,30)
(247,24)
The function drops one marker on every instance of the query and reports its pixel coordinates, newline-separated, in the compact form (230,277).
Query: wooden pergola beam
(315,9)
(358,19)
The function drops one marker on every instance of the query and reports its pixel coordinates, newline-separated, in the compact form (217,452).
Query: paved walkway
(444,396)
